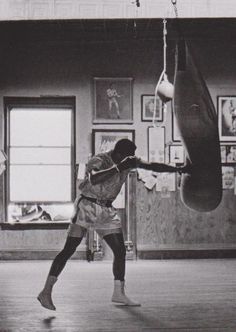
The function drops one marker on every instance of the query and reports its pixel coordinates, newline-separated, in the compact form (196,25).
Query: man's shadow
(47,322)
(147,321)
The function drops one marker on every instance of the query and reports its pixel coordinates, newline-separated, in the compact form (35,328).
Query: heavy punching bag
(196,118)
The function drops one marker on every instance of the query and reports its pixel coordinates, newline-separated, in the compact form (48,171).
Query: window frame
(37,102)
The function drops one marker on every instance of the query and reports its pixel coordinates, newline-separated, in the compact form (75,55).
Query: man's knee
(76,230)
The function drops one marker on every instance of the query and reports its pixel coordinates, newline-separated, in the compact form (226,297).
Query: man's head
(124,148)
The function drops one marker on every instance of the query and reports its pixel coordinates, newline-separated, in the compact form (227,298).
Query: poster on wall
(148,110)
(176,154)
(104,140)
(223,153)
(227,118)
(230,154)
(113,100)
(156,144)
(165,182)
(228,177)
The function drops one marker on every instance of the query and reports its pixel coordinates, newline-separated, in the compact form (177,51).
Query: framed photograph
(227,177)
(227,118)
(176,154)
(230,151)
(223,153)
(147,108)
(175,131)
(156,144)
(104,140)
(113,100)
(165,182)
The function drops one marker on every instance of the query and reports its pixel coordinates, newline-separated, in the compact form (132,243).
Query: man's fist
(185,169)
(128,162)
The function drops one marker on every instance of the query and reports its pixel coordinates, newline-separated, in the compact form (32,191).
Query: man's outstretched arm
(161,168)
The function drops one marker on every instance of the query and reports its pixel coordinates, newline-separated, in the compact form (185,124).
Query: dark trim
(186,254)
(33,225)
(49,101)
(36,254)
(43,254)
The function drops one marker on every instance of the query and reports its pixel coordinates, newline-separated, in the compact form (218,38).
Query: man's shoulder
(103,155)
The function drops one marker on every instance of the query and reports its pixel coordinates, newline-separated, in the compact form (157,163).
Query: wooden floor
(176,295)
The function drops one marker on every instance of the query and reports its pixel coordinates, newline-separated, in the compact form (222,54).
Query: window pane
(40,183)
(40,155)
(40,127)
(28,212)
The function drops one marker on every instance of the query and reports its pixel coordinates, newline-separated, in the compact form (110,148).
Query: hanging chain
(174,3)
(164,43)
(163,76)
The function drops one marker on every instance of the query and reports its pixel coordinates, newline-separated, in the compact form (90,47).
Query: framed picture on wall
(230,154)
(223,153)
(166,182)
(104,140)
(228,177)
(156,144)
(176,154)
(113,100)
(227,118)
(147,108)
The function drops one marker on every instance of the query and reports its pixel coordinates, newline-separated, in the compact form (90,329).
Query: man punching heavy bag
(196,119)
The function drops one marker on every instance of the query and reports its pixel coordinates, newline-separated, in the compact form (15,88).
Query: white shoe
(119,295)
(46,300)
(45,296)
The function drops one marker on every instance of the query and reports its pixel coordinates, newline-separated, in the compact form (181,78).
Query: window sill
(34,225)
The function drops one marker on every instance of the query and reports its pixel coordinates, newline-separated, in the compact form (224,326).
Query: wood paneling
(166,223)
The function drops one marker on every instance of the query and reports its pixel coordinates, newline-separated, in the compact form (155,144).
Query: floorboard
(176,295)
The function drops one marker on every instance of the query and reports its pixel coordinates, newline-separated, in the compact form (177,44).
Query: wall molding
(100,9)
(187,254)
(43,254)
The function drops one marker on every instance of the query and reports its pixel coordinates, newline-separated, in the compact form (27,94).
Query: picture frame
(156,144)
(113,100)
(104,140)
(230,154)
(166,182)
(175,131)
(176,154)
(223,153)
(226,109)
(147,108)
(228,177)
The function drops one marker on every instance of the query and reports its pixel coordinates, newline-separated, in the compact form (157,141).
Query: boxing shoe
(45,296)
(119,295)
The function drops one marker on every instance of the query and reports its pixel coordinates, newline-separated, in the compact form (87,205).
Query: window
(40,149)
